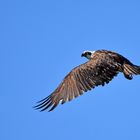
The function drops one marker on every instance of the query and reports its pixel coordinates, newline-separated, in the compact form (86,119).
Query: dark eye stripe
(89,53)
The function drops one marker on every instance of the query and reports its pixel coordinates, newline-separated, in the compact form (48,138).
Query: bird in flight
(102,67)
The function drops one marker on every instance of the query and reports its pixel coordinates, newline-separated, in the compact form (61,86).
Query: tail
(129,70)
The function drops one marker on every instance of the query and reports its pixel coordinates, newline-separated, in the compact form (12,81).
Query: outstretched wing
(81,79)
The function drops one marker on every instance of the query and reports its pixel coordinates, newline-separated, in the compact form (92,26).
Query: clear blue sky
(40,42)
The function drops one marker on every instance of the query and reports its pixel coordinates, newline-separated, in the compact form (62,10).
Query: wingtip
(39,109)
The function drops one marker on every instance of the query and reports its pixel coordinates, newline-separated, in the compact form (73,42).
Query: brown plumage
(101,68)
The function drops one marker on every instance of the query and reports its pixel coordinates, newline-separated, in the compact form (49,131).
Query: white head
(88,54)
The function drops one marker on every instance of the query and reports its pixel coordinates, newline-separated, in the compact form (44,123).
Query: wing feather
(81,79)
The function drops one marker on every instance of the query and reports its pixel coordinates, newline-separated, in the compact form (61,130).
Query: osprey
(101,68)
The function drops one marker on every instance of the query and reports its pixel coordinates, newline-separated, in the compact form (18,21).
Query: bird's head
(87,54)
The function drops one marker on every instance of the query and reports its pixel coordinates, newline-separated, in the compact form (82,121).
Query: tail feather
(130,70)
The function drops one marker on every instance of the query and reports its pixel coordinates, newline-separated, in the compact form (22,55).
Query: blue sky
(40,42)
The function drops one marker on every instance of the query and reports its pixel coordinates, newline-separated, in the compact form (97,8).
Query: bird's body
(101,68)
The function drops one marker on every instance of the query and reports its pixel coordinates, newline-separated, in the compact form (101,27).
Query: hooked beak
(83,54)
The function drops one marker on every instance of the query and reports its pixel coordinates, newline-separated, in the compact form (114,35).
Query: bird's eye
(89,53)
